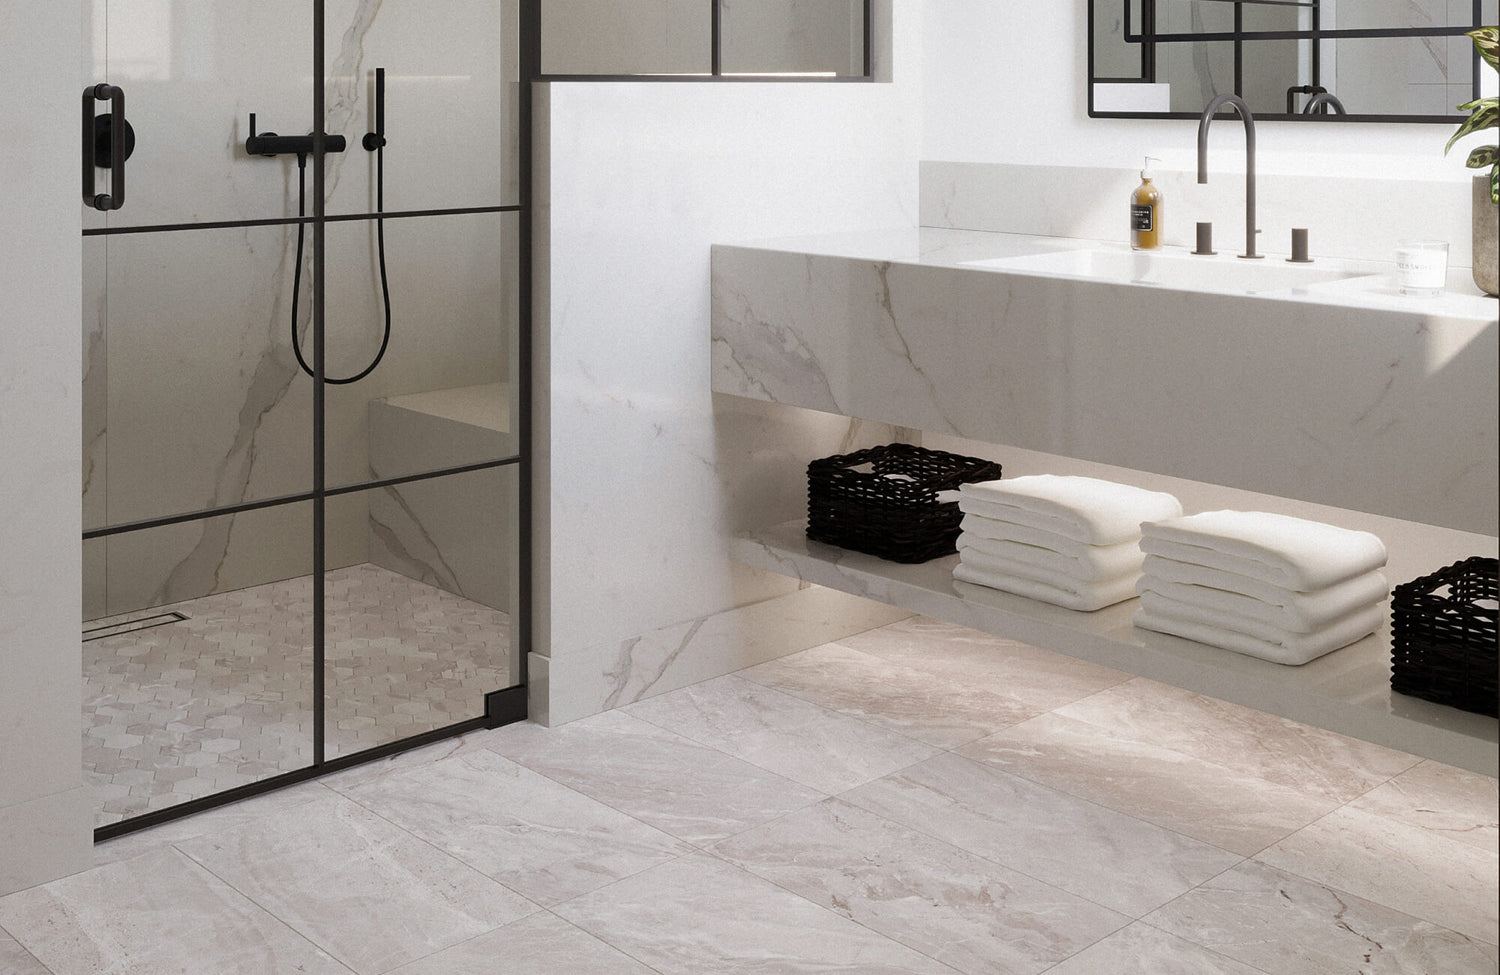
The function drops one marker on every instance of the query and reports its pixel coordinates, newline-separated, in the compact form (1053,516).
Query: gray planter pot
(1486,230)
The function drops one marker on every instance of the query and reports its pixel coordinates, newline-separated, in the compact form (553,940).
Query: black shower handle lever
(118,150)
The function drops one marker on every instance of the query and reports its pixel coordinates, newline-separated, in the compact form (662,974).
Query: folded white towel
(1082,596)
(1084,509)
(1294,648)
(1169,608)
(1300,612)
(982,561)
(1091,563)
(1290,552)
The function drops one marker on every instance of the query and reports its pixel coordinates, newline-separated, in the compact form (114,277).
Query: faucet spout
(1238,104)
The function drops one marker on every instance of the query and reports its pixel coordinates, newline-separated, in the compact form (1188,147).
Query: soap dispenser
(1146,212)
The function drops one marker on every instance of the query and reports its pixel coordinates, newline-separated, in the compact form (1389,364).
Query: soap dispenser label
(1141,216)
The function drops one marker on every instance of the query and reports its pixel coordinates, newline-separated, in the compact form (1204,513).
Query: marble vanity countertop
(1371,284)
(1343,392)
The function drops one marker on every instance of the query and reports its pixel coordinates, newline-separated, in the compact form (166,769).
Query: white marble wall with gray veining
(193,398)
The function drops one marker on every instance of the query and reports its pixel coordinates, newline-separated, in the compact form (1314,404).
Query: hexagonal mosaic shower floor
(223,697)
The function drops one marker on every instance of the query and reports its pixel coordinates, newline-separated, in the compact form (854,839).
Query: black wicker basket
(883,500)
(1443,641)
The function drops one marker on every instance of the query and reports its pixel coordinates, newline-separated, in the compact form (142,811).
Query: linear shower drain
(130,626)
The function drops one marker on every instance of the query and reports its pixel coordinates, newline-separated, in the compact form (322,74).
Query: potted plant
(1486,115)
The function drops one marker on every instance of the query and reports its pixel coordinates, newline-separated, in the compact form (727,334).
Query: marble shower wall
(192,396)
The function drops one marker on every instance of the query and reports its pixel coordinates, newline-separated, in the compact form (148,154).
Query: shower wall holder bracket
(271,144)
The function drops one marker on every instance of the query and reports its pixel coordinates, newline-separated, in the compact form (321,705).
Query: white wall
(643,476)
(1007,83)
(44,812)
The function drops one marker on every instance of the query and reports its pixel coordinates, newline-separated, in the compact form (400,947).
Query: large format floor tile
(15,960)
(528,832)
(157,913)
(1145,950)
(936,709)
(368,892)
(969,912)
(1285,925)
(694,792)
(1416,871)
(1460,805)
(806,743)
(700,914)
(1226,805)
(537,945)
(1290,754)
(1079,846)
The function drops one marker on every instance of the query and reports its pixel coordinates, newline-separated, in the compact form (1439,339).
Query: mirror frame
(1239,37)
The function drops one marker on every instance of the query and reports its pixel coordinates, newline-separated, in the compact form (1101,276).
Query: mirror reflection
(1389,60)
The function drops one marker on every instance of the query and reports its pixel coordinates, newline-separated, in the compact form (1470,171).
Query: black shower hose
(385,288)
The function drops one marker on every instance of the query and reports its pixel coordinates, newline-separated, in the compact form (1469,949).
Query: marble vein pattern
(898,698)
(808,744)
(1224,804)
(366,891)
(689,790)
(530,833)
(1085,848)
(1279,922)
(965,911)
(1141,949)
(700,914)
(541,942)
(224,697)
(160,912)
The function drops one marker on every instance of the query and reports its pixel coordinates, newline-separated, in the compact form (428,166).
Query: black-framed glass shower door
(282,575)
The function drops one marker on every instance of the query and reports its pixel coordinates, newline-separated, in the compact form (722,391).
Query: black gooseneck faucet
(1238,104)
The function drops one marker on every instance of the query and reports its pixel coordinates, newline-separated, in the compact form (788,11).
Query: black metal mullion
(319,225)
(1239,50)
(162,228)
(867,69)
(716,39)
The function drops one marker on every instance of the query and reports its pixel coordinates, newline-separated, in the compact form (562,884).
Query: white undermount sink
(1179,269)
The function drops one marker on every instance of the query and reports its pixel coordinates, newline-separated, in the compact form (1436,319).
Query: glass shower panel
(192,73)
(193,689)
(626,37)
(204,405)
(446,88)
(421,606)
(794,37)
(442,395)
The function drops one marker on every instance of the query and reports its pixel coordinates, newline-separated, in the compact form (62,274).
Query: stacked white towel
(1272,586)
(1069,541)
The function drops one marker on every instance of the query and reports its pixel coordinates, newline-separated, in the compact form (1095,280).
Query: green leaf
(1487,43)
(1495,183)
(1483,156)
(1486,116)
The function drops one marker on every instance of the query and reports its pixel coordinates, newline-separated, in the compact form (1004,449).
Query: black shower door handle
(119,148)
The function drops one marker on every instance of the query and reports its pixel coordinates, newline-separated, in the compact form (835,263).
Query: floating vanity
(1313,390)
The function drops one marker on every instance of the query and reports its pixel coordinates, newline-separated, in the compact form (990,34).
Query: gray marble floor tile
(1288,753)
(1086,849)
(700,914)
(402,762)
(691,791)
(1417,871)
(1039,677)
(1231,807)
(15,960)
(1281,923)
(368,892)
(1145,950)
(806,743)
(537,945)
(939,710)
(969,912)
(1461,805)
(532,834)
(157,913)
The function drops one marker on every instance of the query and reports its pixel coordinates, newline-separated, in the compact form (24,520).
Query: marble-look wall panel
(1391,412)
(1089,202)
(625,37)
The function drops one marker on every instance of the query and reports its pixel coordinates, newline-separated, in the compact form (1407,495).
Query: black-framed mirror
(1305,60)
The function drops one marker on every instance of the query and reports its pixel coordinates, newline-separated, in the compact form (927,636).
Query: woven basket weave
(883,500)
(1443,637)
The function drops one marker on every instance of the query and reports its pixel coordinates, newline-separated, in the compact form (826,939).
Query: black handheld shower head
(376,140)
